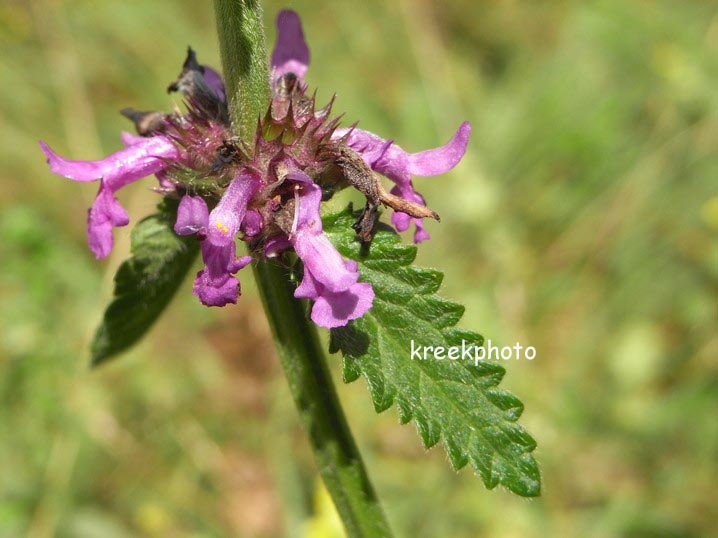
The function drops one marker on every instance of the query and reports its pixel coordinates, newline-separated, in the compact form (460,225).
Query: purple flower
(336,309)
(129,139)
(266,191)
(215,82)
(291,54)
(192,217)
(390,160)
(329,280)
(215,285)
(252,223)
(142,158)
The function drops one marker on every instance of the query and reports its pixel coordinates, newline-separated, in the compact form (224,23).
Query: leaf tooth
(506,401)
(524,478)
(383,403)
(425,281)
(482,461)
(383,398)
(457,454)
(351,371)
(520,437)
(405,414)
(528,482)
(429,431)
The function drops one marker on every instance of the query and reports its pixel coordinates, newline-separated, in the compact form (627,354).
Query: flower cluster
(267,191)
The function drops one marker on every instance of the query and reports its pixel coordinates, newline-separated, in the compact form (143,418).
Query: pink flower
(141,159)
(329,280)
(390,160)
(291,54)
(216,284)
(267,191)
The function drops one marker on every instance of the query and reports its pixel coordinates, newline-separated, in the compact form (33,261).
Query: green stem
(310,382)
(244,61)
(241,39)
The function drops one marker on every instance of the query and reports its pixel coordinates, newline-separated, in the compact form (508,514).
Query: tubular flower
(329,280)
(390,160)
(138,160)
(266,191)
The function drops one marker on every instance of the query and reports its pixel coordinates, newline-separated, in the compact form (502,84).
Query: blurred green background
(583,221)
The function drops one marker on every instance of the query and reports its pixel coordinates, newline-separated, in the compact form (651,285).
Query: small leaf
(145,283)
(455,401)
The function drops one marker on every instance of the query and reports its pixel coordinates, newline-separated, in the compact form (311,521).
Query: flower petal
(433,162)
(144,157)
(166,183)
(215,285)
(129,139)
(218,261)
(215,82)
(323,260)
(291,54)
(397,164)
(192,216)
(226,218)
(337,309)
(120,168)
(392,161)
(329,280)
(215,294)
(402,221)
(105,213)
(239,263)
(310,199)
(252,223)
(381,155)
(309,288)
(274,246)
(311,245)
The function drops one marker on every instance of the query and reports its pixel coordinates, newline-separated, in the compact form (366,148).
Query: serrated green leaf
(145,283)
(454,401)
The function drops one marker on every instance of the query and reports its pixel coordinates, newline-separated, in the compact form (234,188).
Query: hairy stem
(241,39)
(244,61)
(310,382)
